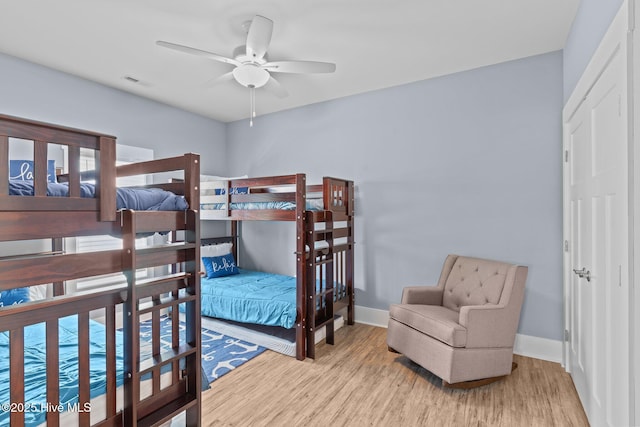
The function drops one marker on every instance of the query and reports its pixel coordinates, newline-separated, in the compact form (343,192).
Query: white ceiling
(374,43)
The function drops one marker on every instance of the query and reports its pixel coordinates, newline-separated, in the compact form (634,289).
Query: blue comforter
(126,198)
(35,366)
(311,205)
(251,297)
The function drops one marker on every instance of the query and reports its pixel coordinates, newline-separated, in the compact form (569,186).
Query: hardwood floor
(358,382)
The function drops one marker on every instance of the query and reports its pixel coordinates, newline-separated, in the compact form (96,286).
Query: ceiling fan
(252,67)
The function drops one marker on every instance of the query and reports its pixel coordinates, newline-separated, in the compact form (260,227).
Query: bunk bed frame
(42,217)
(324,241)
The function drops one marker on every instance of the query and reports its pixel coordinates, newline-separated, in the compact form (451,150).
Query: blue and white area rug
(220,353)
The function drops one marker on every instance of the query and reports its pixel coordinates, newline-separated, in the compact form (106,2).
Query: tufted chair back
(472,281)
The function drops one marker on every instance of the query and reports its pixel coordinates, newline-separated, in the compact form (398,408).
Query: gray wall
(468,163)
(40,93)
(589,26)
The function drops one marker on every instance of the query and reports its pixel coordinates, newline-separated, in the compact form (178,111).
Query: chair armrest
(428,295)
(488,325)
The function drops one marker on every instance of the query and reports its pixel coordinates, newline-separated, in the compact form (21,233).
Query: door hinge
(566,156)
(566,246)
(620,275)
(567,335)
(619,105)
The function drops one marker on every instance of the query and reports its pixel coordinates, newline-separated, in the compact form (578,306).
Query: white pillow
(37,292)
(214,250)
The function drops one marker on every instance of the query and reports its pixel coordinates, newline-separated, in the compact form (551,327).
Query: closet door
(599,288)
(581,292)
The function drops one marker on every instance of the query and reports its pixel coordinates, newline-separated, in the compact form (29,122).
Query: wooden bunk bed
(324,219)
(154,389)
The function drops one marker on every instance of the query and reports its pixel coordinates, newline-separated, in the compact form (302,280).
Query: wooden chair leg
(477,383)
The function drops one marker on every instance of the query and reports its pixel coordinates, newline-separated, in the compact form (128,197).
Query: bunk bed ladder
(152,298)
(327,280)
(320,281)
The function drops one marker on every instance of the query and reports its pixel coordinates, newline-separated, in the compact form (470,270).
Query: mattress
(35,367)
(251,297)
(35,372)
(126,198)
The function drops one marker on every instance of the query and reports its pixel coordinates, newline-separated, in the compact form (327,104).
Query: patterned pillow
(14,296)
(213,251)
(220,266)
(233,190)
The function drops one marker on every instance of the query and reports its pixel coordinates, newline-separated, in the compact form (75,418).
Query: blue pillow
(234,190)
(219,266)
(22,170)
(14,296)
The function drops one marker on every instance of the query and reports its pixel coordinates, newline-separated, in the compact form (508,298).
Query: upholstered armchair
(463,329)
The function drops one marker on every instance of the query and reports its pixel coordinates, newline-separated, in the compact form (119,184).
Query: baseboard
(539,348)
(371,316)
(525,345)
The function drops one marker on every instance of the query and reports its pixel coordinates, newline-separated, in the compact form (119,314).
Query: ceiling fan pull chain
(252,101)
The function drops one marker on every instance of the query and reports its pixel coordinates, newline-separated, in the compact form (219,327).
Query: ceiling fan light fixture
(251,75)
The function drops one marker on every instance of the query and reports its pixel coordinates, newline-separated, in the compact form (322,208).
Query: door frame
(634,204)
(620,35)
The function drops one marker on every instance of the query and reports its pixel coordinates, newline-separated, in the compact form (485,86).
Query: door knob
(583,273)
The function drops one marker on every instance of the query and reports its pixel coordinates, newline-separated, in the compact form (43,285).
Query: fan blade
(259,37)
(274,87)
(194,51)
(303,67)
(227,77)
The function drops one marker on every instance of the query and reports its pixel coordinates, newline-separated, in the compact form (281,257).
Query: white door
(599,316)
(580,325)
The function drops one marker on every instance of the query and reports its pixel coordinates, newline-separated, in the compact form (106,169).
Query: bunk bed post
(192,268)
(192,317)
(4,165)
(301,261)
(74,170)
(227,196)
(131,326)
(40,168)
(192,180)
(106,185)
(310,276)
(236,239)
(350,260)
